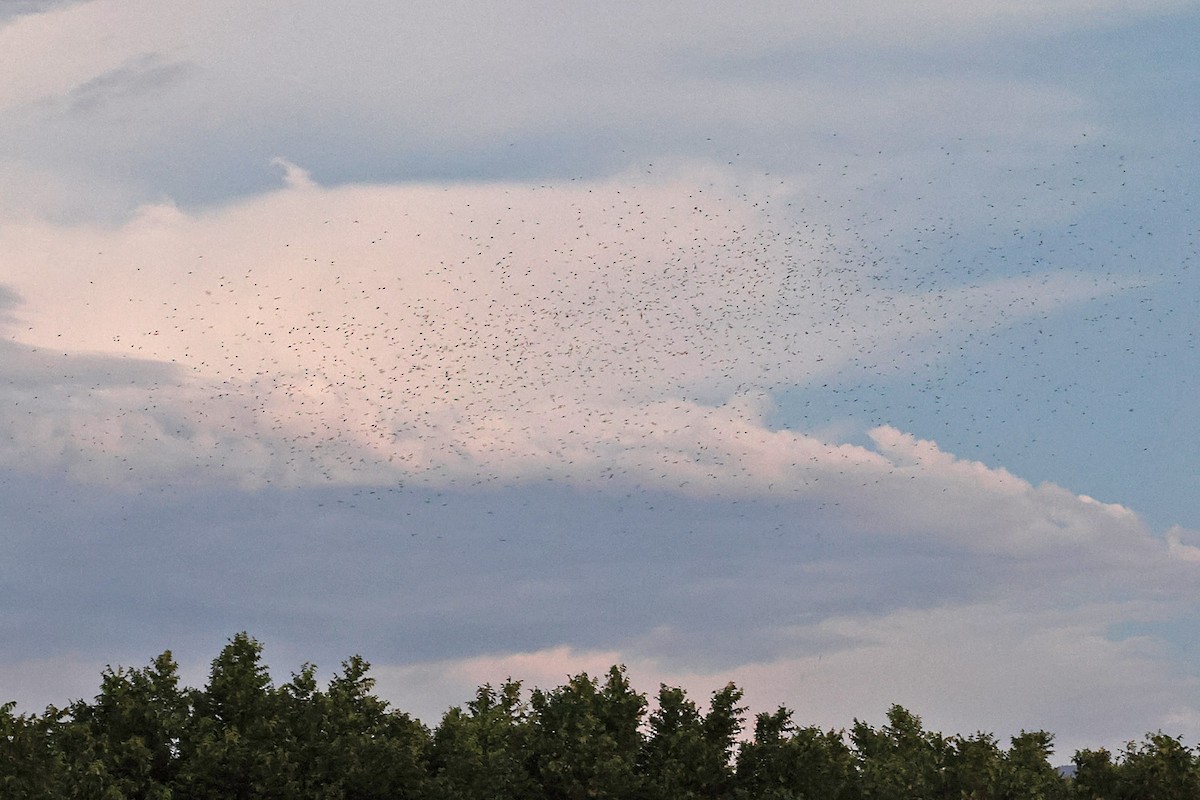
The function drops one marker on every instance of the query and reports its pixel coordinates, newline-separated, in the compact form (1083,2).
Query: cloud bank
(584,331)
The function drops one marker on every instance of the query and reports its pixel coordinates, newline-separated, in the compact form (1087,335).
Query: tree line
(146,737)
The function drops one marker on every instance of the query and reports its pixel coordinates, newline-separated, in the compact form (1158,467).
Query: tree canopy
(242,737)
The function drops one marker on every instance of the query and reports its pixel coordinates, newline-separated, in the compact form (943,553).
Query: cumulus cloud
(588,331)
(490,328)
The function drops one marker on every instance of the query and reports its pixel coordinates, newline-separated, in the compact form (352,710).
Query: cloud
(983,507)
(12,9)
(8,300)
(192,106)
(294,177)
(140,76)
(595,330)
(898,575)
(1180,550)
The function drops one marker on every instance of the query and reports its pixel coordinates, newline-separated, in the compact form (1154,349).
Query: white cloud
(990,509)
(183,99)
(1181,550)
(375,332)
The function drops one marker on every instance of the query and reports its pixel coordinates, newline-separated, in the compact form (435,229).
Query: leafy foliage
(144,737)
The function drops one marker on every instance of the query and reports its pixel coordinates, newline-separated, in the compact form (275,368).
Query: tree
(722,725)
(585,739)
(974,767)
(31,768)
(481,752)
(1096,775)
(1161,767)
(231,748)
(143,737)
(901,760)
(783,761)
(379,753)
(687,754)
(1028,774)
(126,743)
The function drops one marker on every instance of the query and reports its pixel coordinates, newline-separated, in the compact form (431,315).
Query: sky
(842,350)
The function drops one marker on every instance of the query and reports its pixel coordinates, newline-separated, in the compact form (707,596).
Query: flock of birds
(388,335)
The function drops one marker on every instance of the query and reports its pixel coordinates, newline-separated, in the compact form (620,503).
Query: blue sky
(844,351)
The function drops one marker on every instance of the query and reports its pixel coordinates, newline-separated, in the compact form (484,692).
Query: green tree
(1160,767)
(974,768)
(1095,775)
(722,725)
(378,753)
(1028,774)
(31,767)
(674,748)
(232,747)
(126,743)
(783,762)
(901,760)
(686,754)
(143,737)
(585,738)
(481,752)
(303,710)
